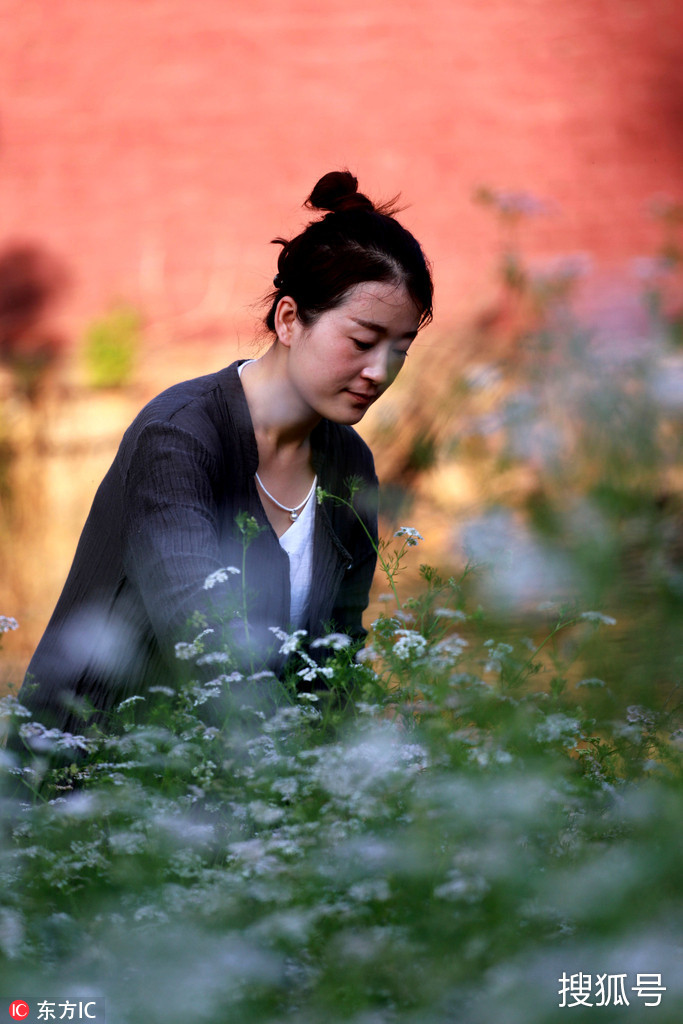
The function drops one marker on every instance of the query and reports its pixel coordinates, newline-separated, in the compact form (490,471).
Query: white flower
(450,613)
(9,705)
(337,641)
(184,652)
(409,642)
(7,623)
(557,727)
(446,652)
(208,690)
(411,535)
(290,641)
(215,658)
(404,616)
(187,651)
(309,673)
(220,576)
(363,708)
(606,620)
(40,738)
(129,701)
(366,654)
(498,652)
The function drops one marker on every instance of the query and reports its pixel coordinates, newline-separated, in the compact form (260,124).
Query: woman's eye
(362,346)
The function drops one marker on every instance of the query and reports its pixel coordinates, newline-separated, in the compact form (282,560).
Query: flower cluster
(412,536)
(220,576)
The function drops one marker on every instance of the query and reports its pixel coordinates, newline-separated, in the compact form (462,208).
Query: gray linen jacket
(162,520)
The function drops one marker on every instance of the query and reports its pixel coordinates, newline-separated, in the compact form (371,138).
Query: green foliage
(111,347)
(435,829)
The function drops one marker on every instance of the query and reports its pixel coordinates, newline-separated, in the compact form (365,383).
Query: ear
(286,320)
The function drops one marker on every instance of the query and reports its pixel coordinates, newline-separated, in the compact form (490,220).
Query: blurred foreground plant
(440,833)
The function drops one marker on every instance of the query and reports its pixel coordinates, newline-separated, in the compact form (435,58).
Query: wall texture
(158,146)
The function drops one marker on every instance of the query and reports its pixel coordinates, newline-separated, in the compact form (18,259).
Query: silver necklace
(296,510)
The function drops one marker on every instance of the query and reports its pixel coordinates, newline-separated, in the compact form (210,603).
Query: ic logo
(19,1010)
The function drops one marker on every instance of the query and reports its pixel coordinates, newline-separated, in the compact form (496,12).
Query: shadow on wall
(32,280)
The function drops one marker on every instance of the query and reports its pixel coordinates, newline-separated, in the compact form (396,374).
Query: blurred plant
(511,209)
(111,347)
(31,281)
(438,833)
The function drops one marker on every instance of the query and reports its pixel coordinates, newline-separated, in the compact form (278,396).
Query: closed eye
(362,346)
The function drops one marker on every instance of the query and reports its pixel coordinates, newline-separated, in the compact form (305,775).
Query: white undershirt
(297,541)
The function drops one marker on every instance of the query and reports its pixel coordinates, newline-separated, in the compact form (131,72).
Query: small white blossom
(290,642)
(206,692)
(257,676)
(310,672)
(166,690)
(450,613)
(366,654)
(412,536)
(187,651)
(410,642)
(363,708)
(404,616)
(557,727)
(220,576)
(129,701)
(215,658)
(337,641)
(38,737)
(498,652)
(9,705)
(606,620)
(265,814)
(446,652)
(7,623)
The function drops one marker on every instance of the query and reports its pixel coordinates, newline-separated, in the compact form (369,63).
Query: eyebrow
(379,328)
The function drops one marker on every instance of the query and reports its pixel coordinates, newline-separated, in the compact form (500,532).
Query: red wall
(157,145)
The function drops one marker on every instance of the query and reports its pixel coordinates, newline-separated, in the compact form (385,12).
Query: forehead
(383,304)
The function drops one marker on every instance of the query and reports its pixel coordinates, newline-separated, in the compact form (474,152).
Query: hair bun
(338,193)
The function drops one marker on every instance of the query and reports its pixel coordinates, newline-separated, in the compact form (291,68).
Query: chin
(350,416)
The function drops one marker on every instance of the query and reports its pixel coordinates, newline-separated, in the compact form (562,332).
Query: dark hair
(354,242)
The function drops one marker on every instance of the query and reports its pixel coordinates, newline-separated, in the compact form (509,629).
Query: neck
(278,414)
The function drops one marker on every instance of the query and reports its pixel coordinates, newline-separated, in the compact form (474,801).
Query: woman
(207,518)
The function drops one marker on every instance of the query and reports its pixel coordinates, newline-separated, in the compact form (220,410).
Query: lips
(360,396)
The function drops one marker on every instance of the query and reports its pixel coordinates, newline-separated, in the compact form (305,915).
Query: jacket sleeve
(171,538)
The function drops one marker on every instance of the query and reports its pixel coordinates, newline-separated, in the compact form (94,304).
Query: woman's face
(343,362)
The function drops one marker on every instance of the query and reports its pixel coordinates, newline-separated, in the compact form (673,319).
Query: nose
(376,367)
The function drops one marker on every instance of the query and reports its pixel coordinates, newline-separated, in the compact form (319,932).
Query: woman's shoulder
(196,408)
(183,402)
